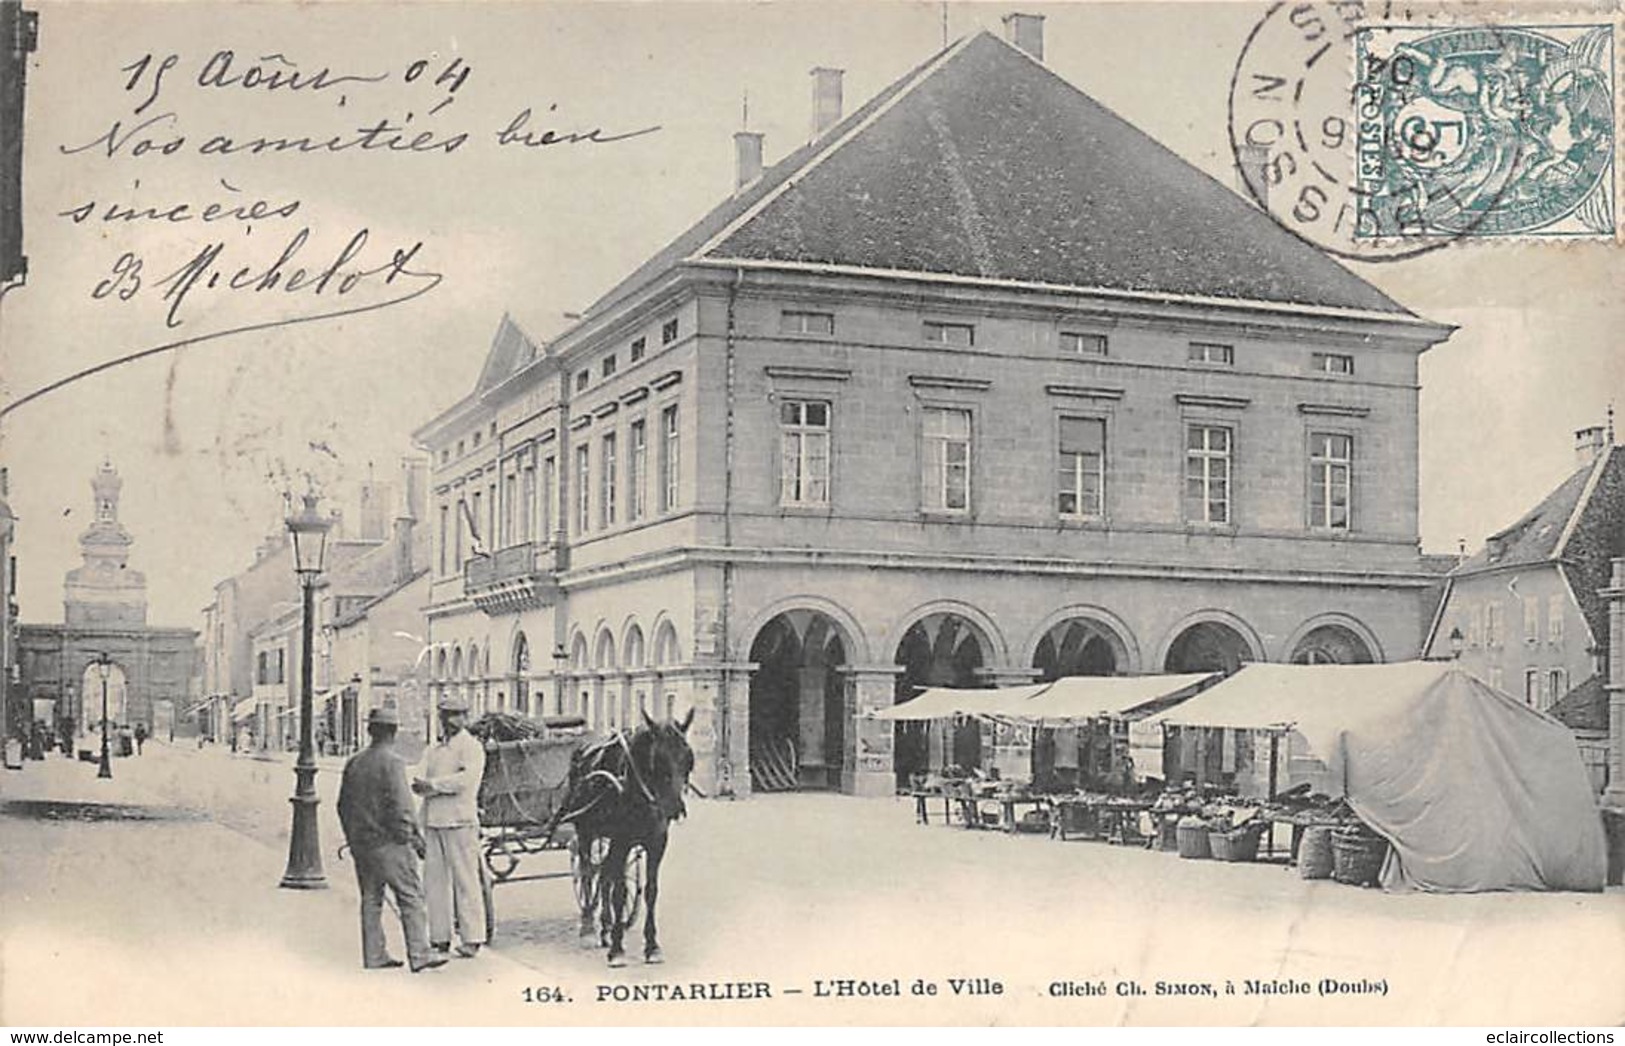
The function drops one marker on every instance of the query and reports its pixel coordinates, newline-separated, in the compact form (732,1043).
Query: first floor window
(527,504)
(544,500)
(804,452)
(445,531)
(1557,684)
(1082,472)
(583,480)
(1531,687)
(1554,619)
(670,458)
(637,456)
(1331,463)
(606,467)
(510,506)
(1083,343)
(947,459)
(1207,474)
(1531,619)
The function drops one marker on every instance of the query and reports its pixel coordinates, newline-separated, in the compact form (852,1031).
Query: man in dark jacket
(381,828)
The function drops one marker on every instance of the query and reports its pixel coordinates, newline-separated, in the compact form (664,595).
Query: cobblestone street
(168,912)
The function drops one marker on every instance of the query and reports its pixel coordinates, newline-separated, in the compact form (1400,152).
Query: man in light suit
(450,785)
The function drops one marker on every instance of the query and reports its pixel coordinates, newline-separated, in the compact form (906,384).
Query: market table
(1093,817)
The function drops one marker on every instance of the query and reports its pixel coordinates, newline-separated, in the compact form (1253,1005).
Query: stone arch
(440,663)
(997,650)
(578,651)
(633,652)
(603,649)
(1209,640)
(1333,638)
(1113,630)
(798,700)
(857,642)
(520,669)
(457,663)
(667,650)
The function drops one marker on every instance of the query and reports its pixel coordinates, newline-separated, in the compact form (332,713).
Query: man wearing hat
(450,786)
(381,829)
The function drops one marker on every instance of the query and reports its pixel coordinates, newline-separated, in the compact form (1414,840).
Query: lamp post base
(304,844)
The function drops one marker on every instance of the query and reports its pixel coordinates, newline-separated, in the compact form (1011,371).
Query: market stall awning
(1091,697)
(939,702)
(1474,790)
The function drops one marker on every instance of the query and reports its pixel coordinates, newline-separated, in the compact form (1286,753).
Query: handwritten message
(407,113)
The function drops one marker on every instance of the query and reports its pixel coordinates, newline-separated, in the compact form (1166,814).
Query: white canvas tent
(1474,790)
(1074,698)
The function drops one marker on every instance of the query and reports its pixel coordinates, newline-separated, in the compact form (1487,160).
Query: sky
(207,436)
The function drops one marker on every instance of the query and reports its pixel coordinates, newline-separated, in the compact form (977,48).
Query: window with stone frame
(946,483)
(1555,606)
(607,478)
(1531,687)
(1557,684)
(1081,482)
(1531,619)
(1208,450)
(583,486)
(637,470)
(1331,477)
(670,458)
(804,431)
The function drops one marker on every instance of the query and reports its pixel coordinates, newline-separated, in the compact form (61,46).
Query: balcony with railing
(518,577)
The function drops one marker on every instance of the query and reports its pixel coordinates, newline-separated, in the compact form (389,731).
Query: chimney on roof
(1251,160)
(1026,31)
(1589,445)
(747,158)
(826,99)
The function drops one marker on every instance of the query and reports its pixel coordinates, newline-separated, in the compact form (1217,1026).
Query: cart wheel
(500,861)
(488,891)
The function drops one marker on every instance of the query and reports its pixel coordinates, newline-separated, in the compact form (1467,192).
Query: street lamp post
(104,668)
(304,871)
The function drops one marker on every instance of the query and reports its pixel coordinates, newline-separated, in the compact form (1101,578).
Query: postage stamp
(1485,131)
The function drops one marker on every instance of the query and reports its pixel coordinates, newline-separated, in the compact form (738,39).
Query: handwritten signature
(209,271)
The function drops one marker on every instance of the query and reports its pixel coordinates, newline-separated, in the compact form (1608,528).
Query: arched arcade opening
(797,703)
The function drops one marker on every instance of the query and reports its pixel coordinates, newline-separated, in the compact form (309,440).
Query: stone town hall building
(981,385)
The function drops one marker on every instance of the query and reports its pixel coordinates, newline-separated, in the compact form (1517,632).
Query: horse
(627,789)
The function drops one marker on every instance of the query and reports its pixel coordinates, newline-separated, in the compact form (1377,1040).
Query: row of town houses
(894,415)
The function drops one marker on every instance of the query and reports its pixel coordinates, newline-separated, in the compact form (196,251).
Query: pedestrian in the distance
(450,785)
(140,736)
(381,829)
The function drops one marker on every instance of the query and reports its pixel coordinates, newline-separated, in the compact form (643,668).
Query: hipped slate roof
(983,163)
(1535,537)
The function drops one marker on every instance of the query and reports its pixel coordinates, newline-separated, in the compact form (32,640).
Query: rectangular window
(1531,619)
(583,479)
(479,521)
(1207,474)
(445,523)
(549,491)
(1331,466)
(582,378)
(606,474)
(476,439)
(491,518)
(1475,627)
(609,365)
(820,324)
(1209,352)
(527,505)
(804,452)
(668,331)
(637,457)
(958,335)
(1082,469)
(1331,362)
(1078,343)
(947,460)
(1531,687)
(510,509)
(1494,625)
(636,351)
(462,541)
(1554,620)
(670,459)
(1557,684)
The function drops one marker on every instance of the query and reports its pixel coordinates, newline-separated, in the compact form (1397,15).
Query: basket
(1193,838)
(1357,857)
(1315,852)
(1240,844)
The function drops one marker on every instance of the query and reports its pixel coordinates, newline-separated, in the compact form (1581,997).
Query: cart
(521,793)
